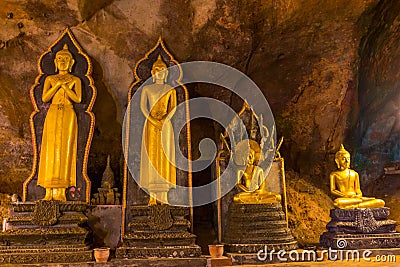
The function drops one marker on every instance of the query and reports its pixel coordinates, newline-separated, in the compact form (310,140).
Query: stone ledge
(77,206)
(166,262)
(160,252)
(44,256)
(360,241)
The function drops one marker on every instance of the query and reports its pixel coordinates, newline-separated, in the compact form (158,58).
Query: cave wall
(303,56)
(377,133)
(329,70)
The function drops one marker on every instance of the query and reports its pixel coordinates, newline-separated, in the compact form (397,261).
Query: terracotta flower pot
(101,254)
(216,251)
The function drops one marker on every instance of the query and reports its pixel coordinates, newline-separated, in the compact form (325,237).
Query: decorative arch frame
(141,73)
(86,119)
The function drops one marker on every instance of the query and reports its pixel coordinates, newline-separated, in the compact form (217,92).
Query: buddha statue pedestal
(254,227)
(46,231)
(360,229)
(358,222)
(159,231)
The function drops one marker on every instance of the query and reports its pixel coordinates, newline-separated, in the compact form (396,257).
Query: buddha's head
(251,157)
(64,60)
(247,150)
(342,158)
(159,70)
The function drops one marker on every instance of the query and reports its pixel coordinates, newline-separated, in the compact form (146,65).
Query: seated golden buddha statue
(345,184)
(251,180)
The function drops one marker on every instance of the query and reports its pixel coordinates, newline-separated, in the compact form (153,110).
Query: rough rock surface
(308,209)
(377,135)
(304,56)
(387,187)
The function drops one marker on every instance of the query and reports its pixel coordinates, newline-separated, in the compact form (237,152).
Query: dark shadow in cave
(107,133)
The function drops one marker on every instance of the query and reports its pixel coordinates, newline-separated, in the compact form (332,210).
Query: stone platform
(164,262)
(360,241)
(159,231)
(254,227)
(105,222)
(361,221)
(218,262)
(45,232)
(360,229)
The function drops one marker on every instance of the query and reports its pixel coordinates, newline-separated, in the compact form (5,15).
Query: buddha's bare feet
(49,194)
(152,201)
(59,194)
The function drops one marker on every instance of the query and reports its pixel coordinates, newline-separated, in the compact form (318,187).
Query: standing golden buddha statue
(57,166)
(157,163)
(345,184)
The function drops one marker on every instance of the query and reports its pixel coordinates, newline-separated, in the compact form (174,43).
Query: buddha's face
(63,61)
(251,157)
(343,161)
(160,72)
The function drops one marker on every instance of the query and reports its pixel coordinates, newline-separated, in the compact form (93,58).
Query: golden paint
(87,111)
(137,80)
(345,184)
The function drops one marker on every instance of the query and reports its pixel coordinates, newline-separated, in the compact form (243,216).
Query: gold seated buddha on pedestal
(345,184)
(251,180)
